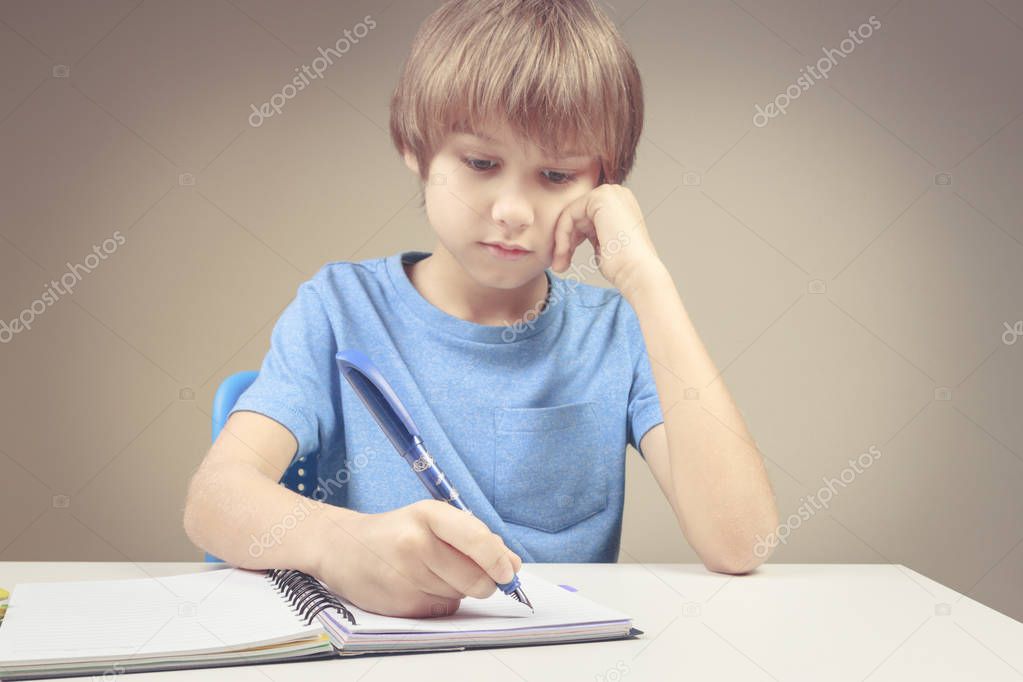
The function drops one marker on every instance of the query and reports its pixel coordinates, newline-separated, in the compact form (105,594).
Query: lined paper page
(213,610)
(555,606)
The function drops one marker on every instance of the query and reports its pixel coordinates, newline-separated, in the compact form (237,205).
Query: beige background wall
(855,265)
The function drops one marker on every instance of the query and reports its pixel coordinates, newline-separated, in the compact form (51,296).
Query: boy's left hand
(610,218)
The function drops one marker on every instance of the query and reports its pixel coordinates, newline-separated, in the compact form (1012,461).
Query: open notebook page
(555,606)
(208,611)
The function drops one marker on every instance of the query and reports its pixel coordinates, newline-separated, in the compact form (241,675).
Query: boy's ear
(410,161)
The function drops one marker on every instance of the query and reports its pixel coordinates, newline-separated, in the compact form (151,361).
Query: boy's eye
(559,177)
(483,165)
(471,163)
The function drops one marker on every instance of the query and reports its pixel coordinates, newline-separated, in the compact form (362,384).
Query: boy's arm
(702,456)
(415,561)
(235,490)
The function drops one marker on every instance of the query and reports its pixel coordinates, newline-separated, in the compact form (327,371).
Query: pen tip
(521,596)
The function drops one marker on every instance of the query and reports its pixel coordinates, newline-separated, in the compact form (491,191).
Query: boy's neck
(442,281)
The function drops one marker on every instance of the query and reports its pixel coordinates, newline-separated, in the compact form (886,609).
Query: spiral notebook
(233,616)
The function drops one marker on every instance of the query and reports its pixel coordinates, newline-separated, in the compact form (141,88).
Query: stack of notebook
(233,616)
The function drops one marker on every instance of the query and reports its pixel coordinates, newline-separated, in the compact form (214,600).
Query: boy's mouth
(505,251)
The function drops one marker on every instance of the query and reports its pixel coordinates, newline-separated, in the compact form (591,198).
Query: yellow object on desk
(4,595)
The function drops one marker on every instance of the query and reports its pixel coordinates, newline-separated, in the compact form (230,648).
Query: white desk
(785,622)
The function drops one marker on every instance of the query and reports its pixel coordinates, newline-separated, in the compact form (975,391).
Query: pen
(396,423)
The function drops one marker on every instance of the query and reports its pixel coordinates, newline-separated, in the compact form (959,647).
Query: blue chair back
(302,472)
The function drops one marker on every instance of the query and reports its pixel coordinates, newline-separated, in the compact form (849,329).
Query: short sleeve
(644,410)
(297,384)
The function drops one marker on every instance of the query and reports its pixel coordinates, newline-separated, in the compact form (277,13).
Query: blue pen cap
(381,400)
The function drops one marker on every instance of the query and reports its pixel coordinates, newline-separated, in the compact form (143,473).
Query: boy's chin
(506,275)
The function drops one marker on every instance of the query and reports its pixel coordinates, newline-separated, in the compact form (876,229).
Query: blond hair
(557,71)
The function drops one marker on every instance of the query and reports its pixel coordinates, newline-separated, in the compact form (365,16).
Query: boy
(521,118)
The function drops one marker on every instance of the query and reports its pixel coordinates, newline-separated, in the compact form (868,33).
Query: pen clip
(381,400)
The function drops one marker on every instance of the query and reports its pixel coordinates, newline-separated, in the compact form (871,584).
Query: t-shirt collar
(532,323)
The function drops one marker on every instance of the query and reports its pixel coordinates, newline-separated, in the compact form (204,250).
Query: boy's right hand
(416,561)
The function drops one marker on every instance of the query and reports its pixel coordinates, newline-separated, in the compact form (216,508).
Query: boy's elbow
(737,548)
(740,557)
(733,563)
(192,515)
(188,517)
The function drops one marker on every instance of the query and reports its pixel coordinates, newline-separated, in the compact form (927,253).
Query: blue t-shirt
(529,422)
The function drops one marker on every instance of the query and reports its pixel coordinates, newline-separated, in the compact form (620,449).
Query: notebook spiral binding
(306,595)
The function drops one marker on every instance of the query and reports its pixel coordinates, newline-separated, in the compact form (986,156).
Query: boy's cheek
(457,189)
(545,249)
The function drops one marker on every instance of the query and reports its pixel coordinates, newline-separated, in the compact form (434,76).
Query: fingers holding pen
(471,537)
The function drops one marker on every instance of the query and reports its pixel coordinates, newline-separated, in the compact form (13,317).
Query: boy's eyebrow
(566,155)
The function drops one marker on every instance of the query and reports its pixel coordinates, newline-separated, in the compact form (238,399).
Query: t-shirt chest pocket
(549,472)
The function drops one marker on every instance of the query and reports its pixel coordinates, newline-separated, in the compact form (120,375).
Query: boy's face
(501,190)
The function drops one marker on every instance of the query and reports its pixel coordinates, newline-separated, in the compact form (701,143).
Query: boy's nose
(512,211)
